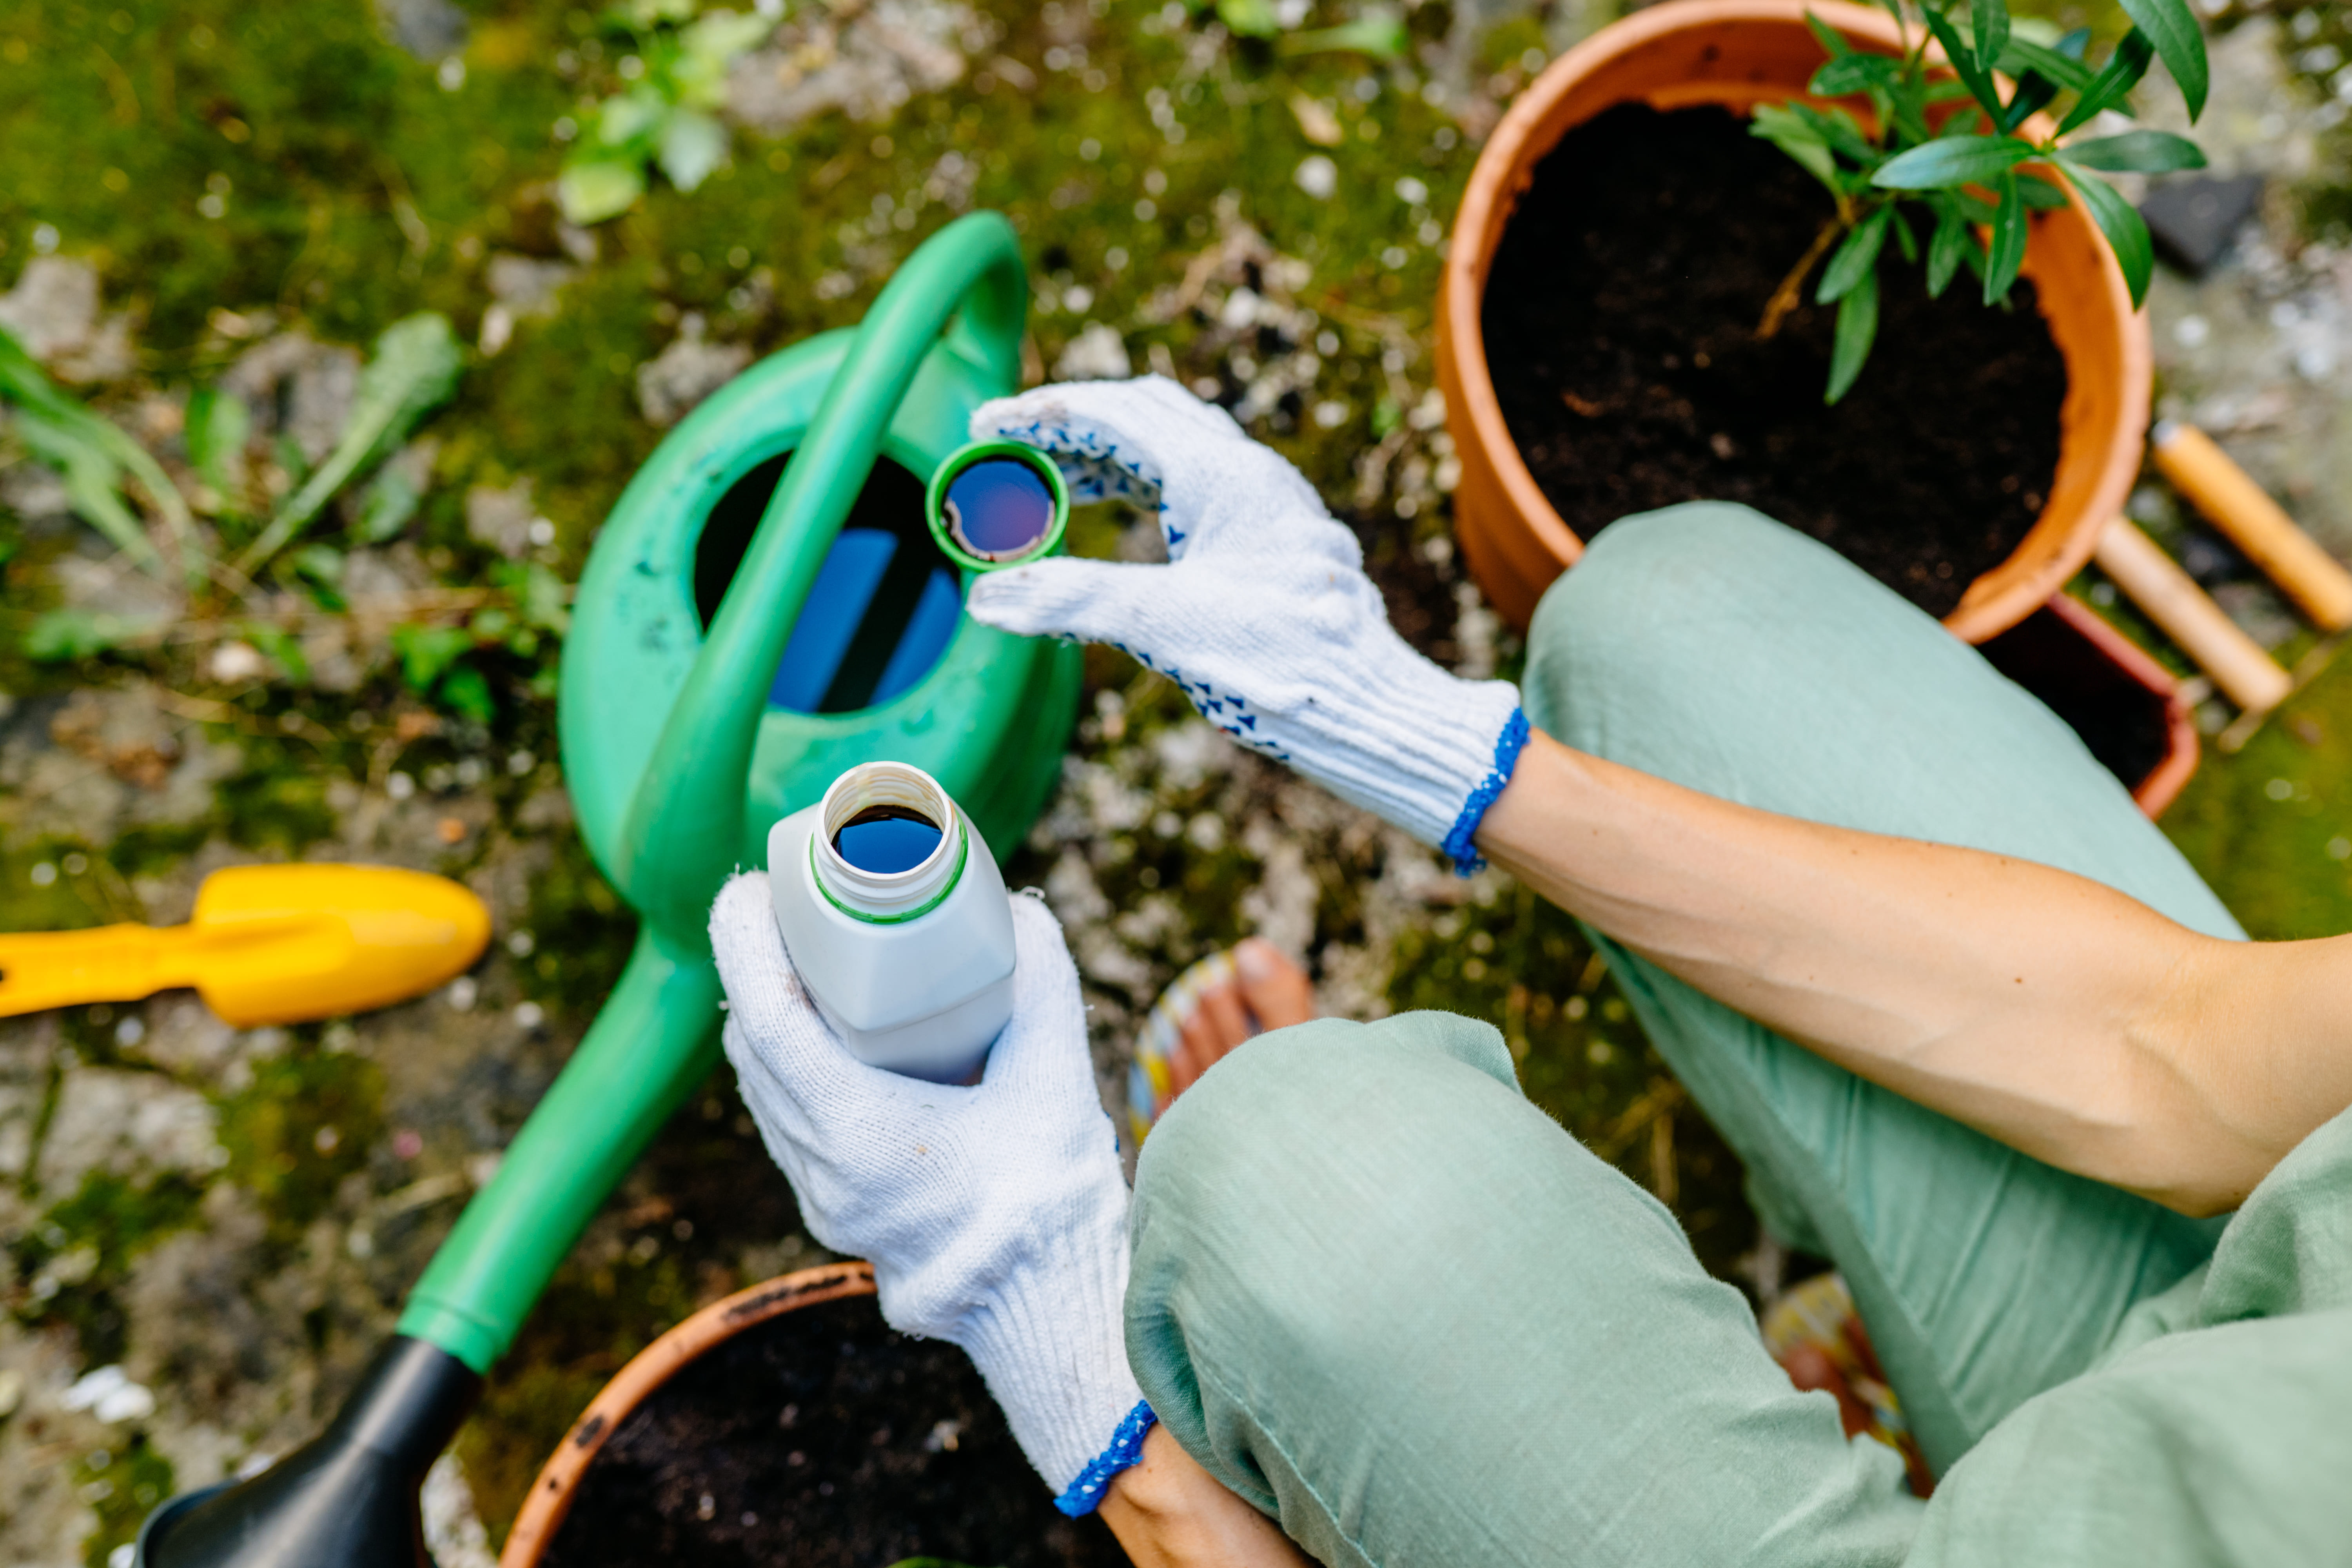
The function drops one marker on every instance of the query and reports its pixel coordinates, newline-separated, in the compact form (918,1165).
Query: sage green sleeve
(2228,1440)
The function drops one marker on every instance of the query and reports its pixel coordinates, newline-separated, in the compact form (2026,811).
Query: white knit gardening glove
(1263,615)
(995,1214)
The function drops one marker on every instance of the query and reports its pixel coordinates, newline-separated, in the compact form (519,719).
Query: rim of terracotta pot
(558,1481)
(2090,485)
(2164,782)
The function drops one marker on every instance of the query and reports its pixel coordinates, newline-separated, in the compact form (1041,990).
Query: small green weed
(675,63)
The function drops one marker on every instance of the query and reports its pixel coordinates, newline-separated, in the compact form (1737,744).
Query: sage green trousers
(1393,1305)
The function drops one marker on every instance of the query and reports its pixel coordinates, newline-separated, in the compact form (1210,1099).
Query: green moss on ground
(2270,829)
(122,1485)
(580,933)
(78,1254)
(306,1122)
(46,884)
(354,189)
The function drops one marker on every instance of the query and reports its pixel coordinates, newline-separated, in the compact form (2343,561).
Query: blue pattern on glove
(1126,1451)
(1462,842)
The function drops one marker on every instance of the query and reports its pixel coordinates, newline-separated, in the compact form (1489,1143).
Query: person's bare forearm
(1168,1512)
(2053,1013)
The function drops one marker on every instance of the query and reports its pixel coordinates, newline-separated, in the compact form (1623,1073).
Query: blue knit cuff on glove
(1462,842)
(1125,1450)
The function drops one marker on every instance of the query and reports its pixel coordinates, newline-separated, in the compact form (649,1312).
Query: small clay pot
(2098,680)
(1736,54)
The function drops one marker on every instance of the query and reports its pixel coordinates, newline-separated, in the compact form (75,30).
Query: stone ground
(205,1231)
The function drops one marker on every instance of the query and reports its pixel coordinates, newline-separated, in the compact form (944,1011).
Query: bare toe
(1277,990)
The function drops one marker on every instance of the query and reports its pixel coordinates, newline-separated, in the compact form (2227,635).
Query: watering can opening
(884,606)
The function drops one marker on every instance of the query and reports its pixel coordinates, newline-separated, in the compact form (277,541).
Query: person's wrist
(1168,1512)
(1426,750)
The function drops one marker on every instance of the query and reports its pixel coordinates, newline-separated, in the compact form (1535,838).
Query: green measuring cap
(997,503)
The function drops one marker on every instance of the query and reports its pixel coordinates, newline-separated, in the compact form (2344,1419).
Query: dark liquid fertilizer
(1620,327)
(999,509)
(884,839)
(821,1440)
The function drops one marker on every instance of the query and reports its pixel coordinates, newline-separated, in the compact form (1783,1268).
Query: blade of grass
(93,455)
(413,372)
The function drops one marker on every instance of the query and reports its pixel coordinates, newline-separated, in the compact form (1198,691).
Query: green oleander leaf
(1854,73)
(1832,40)
(1991,19)
(1857,325)
(1794,135)
(1951,241)
(2067,71)
(1854,259)
(2126,232)
(2118,77)
(2172,28)
(2007,252)
(2038,192)
(2138,151)
(1965,64)
(1951,161)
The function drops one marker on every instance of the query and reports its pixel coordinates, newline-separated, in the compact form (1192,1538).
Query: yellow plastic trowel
(267,944)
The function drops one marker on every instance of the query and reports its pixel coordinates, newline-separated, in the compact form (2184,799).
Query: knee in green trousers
(1384,1299)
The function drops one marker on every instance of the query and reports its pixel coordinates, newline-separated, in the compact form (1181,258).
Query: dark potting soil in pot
(2128,727)
(1619,321)
(820,1438)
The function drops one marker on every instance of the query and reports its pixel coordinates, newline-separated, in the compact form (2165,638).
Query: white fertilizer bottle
(894,914)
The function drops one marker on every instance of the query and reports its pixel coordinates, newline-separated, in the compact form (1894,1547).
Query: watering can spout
(349,1497)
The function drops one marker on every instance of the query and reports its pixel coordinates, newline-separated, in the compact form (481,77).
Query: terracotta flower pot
(788,1424)
(557,1483)
(1736,54)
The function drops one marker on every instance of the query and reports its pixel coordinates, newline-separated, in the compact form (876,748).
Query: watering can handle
(654,1039)
(685,827)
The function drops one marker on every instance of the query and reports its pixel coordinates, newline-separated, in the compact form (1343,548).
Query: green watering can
(684,743)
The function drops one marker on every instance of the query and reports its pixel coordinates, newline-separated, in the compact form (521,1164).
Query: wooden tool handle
(2233,503)
(2171,598)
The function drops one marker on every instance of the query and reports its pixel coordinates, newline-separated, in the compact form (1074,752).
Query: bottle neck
(888,897)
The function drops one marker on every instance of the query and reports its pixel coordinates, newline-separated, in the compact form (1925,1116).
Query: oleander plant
(1943,171)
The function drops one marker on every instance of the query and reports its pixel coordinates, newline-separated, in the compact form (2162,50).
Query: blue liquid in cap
(999,509)
(884,839)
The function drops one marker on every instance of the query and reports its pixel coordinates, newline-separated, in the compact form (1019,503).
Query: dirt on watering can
(820,1439)
(1621,328)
